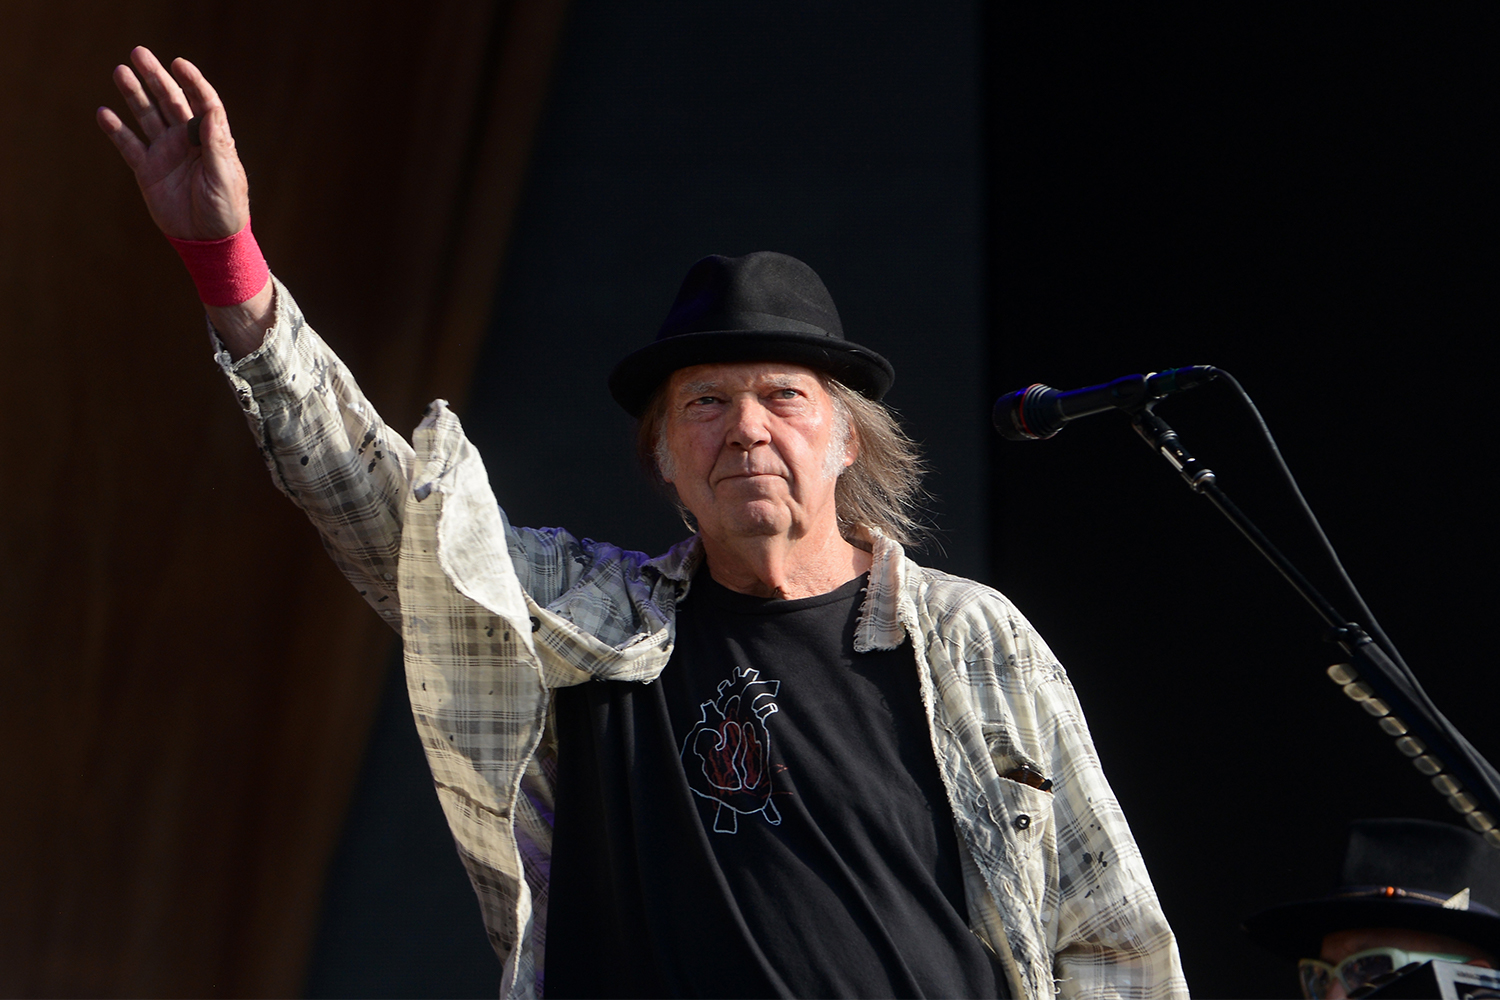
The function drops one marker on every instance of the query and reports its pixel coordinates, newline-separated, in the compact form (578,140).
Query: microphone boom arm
(1457,771)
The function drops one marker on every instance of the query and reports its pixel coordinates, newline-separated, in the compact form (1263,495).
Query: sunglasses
(1360,969)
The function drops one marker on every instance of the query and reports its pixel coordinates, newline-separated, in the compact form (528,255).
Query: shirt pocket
(1025,811)
(1027,815)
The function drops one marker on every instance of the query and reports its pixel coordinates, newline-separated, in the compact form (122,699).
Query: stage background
(214,787)
(1302,199)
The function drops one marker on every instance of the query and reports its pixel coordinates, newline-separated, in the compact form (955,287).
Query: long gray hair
(881,490)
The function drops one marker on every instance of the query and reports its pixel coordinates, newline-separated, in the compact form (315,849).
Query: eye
(699,403)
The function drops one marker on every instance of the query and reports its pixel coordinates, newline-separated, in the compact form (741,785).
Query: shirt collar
(889,613)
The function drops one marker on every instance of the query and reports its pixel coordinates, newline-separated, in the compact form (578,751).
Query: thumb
(213,135)
(223,174)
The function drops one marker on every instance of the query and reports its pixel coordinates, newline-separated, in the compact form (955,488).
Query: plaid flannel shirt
(493,617)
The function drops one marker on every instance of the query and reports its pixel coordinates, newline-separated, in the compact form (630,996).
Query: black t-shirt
(766,820)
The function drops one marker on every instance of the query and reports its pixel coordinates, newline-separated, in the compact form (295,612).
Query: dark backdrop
(997,196)
(1302,197)
(186,682)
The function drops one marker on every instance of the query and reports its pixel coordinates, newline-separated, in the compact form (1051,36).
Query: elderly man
(852,776)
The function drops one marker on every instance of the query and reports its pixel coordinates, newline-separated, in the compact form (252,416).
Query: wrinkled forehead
(741,376)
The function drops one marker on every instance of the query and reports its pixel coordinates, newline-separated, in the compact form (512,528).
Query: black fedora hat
(1405,873)
(760,307)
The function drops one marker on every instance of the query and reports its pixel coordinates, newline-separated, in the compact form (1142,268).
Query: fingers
(125,140)
(158,99)
(172,106)
(201,96)
(146,113)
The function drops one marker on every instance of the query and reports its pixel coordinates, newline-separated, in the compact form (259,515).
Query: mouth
(749,475)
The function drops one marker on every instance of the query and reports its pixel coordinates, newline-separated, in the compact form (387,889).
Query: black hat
(1405,873)
(759,307)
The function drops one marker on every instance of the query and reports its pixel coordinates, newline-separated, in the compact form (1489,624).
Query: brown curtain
(187,683)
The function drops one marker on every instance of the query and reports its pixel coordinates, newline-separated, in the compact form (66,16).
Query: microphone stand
(1371,678)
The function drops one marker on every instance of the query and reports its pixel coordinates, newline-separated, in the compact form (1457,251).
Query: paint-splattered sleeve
(326,449)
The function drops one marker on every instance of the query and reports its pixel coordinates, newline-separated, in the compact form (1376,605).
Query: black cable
(1404,679)
(1368,616)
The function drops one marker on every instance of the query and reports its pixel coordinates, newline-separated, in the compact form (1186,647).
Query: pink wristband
(228,271)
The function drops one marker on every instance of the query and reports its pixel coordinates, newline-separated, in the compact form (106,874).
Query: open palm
(193,192)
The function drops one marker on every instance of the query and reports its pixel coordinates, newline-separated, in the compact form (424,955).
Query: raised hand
(193,192)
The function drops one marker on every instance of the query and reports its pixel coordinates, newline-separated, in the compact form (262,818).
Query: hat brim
(638,376)
(1296,930)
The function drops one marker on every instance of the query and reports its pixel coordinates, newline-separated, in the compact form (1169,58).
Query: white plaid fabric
(493,617)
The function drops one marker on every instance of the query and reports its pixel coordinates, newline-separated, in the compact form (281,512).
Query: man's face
(754,448)
(1341,944)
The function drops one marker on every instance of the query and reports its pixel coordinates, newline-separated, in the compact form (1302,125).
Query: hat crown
(1421,854)
(759,291)
(763,306)
(1396,873)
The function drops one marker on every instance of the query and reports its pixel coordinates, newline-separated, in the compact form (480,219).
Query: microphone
(1039,411)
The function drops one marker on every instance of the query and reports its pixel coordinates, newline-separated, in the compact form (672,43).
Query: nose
(747,423)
